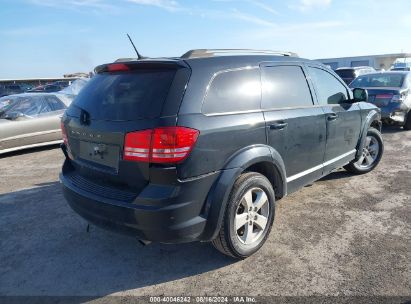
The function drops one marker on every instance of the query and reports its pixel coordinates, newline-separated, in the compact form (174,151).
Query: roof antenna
(138,54)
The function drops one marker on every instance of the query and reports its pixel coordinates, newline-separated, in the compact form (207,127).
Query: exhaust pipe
(144,242)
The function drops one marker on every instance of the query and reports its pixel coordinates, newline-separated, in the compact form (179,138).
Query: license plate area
(381,102)
(102,154)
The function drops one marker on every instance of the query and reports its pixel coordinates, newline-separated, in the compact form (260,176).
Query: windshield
(379,80)
(125,95)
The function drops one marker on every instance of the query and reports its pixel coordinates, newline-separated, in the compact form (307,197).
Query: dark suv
(349,74)
(200,147)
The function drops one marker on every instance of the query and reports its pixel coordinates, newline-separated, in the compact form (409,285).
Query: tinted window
(126,95)
(285,86)
(329,89)
(346,73)
(234,91)
(379,80)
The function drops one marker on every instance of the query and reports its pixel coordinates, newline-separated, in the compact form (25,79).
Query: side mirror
(360,95)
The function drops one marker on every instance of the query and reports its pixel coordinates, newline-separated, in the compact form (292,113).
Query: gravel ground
(344,235)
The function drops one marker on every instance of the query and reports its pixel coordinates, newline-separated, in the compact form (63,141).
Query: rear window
(125,95)
(379,80)
(28,105)
(345,73)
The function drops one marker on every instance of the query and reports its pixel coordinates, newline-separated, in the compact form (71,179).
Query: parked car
(391,92)
(200,148)
(401,69)
(31,120)
(401,66)
(10,89)
(350,73)
(47,88)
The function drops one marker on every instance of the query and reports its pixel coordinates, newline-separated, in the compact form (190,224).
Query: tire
(407,125)
(243,242)
(373,150)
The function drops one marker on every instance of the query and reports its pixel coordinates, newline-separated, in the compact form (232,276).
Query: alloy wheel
(370,153)
(252,216)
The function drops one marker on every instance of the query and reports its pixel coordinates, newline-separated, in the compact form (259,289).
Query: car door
(38,125)
(343,117)
(295,127)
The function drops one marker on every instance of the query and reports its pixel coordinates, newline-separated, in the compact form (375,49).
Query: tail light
(117,67)
(399,98)
(160,145)
(65,140)
(384,96)
(64,134)
(172,144)
(137,146)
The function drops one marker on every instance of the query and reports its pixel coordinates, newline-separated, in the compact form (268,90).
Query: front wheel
(371,154)
(248,217)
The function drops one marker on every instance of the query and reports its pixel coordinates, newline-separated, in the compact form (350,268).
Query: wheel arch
(258,158)
(373,119)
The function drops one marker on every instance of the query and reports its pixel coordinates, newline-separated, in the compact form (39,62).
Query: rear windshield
(378,80)
(345,73)
(125,95)
(28,105)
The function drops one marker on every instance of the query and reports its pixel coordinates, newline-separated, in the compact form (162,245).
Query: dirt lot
(345,235)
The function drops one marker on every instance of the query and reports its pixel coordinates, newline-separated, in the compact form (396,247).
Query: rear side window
(55,103)
(285,86)
(234,91)
(126,95)
(329,89)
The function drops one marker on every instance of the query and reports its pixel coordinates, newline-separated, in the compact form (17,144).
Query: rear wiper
(84,116)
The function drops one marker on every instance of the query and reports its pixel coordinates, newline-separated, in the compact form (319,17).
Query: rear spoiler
(140,65)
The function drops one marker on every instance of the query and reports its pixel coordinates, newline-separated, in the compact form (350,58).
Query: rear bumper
(394,114)
(161,213)
(394,117)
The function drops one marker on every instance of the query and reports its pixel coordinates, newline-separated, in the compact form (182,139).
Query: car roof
(219,57)
(221,62)
(388,72)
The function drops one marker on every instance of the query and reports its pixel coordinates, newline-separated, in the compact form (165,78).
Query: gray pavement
(344,235)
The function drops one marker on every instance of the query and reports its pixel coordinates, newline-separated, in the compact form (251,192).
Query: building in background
(378,62)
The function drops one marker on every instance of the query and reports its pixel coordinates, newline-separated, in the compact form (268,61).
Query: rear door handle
(332,116)
(278,125)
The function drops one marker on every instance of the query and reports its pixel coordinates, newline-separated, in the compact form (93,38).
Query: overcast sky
(48,38)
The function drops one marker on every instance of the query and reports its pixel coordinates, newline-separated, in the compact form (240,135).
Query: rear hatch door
(381,97)
(113,103)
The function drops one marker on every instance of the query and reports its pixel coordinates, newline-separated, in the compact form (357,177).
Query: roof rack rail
(199,53)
